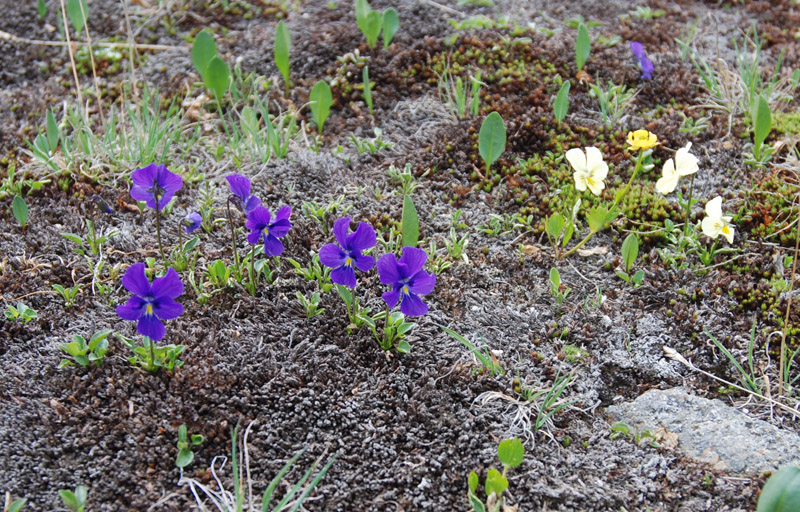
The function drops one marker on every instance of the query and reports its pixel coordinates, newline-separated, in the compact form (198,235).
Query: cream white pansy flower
(590,169)
(684,164)
(715,223)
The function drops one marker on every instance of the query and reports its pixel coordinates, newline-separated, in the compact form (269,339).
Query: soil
(405,429)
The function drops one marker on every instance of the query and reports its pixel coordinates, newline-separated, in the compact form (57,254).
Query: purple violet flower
(258,222)
(408,280)
(241,198)
(155,181)
(645,64)
(151,304)
(343,259)
(192,222)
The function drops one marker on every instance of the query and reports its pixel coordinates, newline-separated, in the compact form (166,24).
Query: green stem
(234,242)
(387,343)
(158,231)
(251,271)
(689,208)
(152,366)
(620,195)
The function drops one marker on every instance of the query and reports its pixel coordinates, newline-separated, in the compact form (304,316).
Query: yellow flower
(715,223)
(590,169)
(641,140)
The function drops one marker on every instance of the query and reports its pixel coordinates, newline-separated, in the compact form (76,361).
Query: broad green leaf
(52,131)
(322,100)
(762,121)
(555,226)
(203,50)
(17,505)
(218,77)
(781,493)
(555,278)
(598,217)
(77,16)
(69,499)
(409,225)
(583,45)
(283,45)
(510,452)
(362,10)
(367,88)
(20,210)
(561,105)
(492,139)
(391,23)
(473,481)
(41,7)
(495,483)
(372,26)
(477,506)
(630,250)
(403,347)
(184,458)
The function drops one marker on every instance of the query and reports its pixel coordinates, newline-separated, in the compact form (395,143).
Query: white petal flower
(590,169)
(669,178)
(685,162)
(715,223)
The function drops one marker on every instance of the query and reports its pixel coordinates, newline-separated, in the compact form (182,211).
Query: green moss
(786,123)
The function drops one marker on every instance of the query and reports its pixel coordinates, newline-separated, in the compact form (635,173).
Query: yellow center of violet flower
(405,290)
(266,231)
(348,262)
(149,310)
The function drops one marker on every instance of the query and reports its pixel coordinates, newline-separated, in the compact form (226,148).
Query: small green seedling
(395,329)
(321,99)
(583,45)
(203,50)
(558,291)
(75,501)
(409,225)
(185,443)
(762,124)
(13,506)
(78,14)
(219,274)
(152,357)
(621,429)
(367,88)
(492,139)
(283,45)
(630,250)
(391,23)
(93,242)
(20,210)
(511,453)
(21,313)
(781,493)
(485,356)
(41,8)
(311,305)
(68,294)
(218,77)
(561,105)
(85,353)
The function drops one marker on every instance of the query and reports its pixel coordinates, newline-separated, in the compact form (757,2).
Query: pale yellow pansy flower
(590,169)
(684,164)
(641,140)
(715,223)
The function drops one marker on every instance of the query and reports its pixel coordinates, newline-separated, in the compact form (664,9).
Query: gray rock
(710,431)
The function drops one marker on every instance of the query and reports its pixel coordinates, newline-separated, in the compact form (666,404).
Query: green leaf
(762,122)
(492,139)
(598,217)
(373,25)
(561,105)
(583,46)
(510,452)
(781,493)
(20,210)
(630,250)
(367,88)
(17,505)
(283,44)
(184,458)
(42,8)
(555,226)
(362,10)
(203,50)
(473,481)
(69,499)
(391,23)
(495,483)
(218,77)
(322,100)
(403,347)
(477,506)
(76,16)
(555,279)
(52,131)
(409,225)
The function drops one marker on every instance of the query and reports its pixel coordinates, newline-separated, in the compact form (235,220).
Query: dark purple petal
(192,222)
(412,305)
(140,194)
(239,185)
(647,67)
(151,327)
(363,239)
(254,236)
(169,181)
(135,280)
(167,287)
(272,246)
(167,309)
(252,203)
(364,263)
(145,177)
(422,283)
(284,213)
(279,228)
(344,276)
(332,256)
(388,271)
(132,310)
(163,200)
(637,48)
(340,229)
(390,297)
(258,219)
(414,259)
(102,205)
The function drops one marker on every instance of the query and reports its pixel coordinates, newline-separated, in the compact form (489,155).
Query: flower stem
(152,366)
(620,195)
(689,207)
(251,271)
(158,231)
(234,243)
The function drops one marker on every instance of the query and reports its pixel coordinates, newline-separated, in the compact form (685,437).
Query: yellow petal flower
(641,140)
